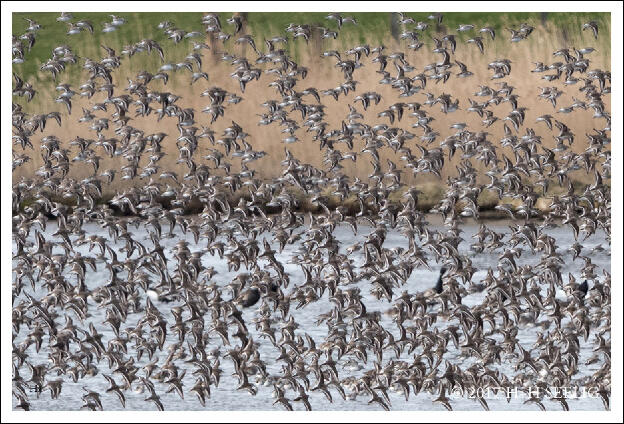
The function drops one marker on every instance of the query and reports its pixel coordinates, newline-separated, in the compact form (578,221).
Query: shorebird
(593,26)
(163,251)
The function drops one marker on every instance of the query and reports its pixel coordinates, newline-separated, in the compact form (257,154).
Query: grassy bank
(430,196)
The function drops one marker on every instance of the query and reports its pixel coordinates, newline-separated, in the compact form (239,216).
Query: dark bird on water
(438,286)
(252,296)
(582,288)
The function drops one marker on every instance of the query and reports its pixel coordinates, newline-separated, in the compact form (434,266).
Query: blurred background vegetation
(552,31)
(374,28)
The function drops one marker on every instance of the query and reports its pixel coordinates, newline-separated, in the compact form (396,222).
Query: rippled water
(226,397)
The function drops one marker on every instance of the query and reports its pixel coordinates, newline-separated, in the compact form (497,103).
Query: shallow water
(226,397)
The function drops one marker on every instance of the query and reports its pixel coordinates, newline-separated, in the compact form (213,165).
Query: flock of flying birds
(152,295)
